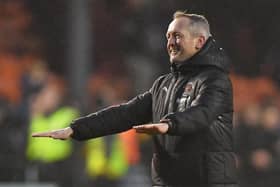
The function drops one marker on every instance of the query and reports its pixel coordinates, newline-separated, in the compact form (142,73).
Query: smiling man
(187,111)
(186,35)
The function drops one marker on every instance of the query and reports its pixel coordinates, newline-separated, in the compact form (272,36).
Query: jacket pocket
(178,169)
(220,167)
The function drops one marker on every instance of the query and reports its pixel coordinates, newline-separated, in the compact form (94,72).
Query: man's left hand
(155,128)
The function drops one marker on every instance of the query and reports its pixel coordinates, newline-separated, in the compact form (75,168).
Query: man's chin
(174,60)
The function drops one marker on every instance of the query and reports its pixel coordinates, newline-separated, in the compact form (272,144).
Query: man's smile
(173,51)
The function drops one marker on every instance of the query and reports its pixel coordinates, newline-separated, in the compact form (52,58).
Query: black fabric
(114,119)
(196,99)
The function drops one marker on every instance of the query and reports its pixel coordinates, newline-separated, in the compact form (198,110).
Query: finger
(41,134)
(149,126)
(138,127)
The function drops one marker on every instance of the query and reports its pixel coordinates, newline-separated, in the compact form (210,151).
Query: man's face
(181,45)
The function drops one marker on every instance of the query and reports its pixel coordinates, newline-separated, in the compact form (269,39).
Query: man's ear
(200,41)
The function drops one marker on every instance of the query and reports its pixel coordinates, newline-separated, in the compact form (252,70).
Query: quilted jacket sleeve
(114,119)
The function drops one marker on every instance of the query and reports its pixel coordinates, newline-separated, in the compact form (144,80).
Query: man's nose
(171,41)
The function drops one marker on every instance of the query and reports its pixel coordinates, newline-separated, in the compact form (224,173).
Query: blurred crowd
(129,53)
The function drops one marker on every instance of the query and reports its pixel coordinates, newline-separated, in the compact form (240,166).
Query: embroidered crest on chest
(184,100)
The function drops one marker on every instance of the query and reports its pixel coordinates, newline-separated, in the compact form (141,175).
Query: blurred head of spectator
(270,117)
(34,79)
(251,115)
(49,98)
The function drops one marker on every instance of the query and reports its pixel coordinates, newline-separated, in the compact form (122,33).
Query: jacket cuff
(171,124)
(76,135)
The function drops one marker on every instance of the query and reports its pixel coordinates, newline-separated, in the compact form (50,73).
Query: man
(190,110)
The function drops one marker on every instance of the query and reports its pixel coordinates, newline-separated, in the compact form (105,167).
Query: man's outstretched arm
(111,120)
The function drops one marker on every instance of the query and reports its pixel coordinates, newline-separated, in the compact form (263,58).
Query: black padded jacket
(195,98)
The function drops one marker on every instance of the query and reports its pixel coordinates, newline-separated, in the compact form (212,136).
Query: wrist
(69,131)
(169,124)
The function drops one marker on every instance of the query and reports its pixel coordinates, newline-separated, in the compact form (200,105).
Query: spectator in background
(259,146)
(54,162)
(32,81)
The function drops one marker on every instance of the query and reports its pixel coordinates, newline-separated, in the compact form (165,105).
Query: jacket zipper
(169,93)
(172,94)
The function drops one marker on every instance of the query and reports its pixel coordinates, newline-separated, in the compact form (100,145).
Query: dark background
(104,52)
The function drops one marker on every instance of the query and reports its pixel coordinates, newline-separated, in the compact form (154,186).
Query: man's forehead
(178,24)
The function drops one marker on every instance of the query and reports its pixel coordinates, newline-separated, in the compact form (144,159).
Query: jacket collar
(210,55)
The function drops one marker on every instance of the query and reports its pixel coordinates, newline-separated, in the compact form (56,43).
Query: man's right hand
(62,134)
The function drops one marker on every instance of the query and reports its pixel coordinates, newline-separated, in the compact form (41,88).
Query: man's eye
(177,36)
